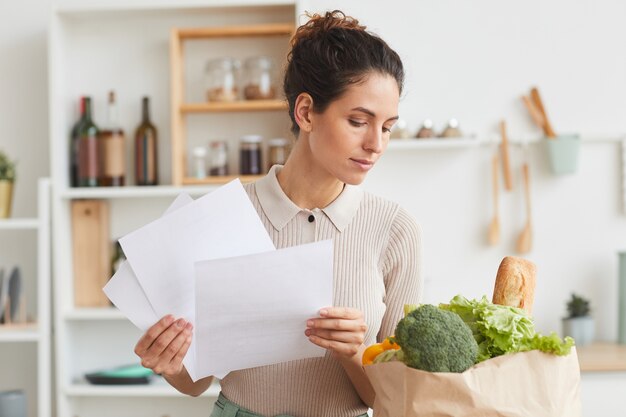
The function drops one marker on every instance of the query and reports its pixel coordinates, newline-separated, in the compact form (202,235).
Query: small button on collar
(311,218)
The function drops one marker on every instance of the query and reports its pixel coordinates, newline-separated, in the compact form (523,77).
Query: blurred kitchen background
(467,61)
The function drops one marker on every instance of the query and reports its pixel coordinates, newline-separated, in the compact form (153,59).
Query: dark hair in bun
(328,54)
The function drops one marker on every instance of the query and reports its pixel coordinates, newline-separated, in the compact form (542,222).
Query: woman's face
(349,137)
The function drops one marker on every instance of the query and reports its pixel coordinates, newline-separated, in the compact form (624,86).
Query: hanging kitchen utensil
(536,98)
(524,242)
(506,166)
(534,112)
(493,236)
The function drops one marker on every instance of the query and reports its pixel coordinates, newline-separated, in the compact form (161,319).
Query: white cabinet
(95,47)
(25,358)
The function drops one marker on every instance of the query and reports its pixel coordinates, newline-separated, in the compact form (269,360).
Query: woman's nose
(374,141)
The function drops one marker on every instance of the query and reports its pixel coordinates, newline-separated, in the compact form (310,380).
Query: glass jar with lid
(259,79)
(219,158)
(250,156)
(221,79)
(278,151)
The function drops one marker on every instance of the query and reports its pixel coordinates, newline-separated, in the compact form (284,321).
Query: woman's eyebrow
(371,113)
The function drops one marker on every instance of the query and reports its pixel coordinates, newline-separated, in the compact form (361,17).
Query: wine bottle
(112,148)
(74,144)
(146,170)
(88,155)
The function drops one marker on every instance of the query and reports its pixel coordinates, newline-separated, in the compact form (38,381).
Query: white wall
(473,60)
(24,137)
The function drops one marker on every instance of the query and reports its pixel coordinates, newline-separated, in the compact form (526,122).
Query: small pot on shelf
(579,324)
(7,178)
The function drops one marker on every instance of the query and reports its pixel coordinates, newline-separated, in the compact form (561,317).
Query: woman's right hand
(164,345)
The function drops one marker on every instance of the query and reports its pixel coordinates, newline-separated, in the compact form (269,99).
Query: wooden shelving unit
(35,330)
(180,108)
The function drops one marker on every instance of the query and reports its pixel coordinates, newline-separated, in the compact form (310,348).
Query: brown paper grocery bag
(528,384)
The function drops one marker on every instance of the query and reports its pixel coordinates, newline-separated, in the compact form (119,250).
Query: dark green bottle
(88,152)
(146,169)
(74,145)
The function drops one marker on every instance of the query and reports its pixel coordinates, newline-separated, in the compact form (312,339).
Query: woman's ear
(302,112)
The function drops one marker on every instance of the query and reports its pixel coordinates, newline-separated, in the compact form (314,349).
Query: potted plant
(579,323)
(7,177)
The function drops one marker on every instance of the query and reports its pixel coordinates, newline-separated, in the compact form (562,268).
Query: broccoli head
(436,340)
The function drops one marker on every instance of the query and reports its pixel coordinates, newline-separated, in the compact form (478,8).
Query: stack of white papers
(211,262)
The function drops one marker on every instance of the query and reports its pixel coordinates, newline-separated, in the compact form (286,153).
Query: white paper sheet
(252,310)
(162,253)
(125,292)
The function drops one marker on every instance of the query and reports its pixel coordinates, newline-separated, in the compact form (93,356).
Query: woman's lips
(363,164)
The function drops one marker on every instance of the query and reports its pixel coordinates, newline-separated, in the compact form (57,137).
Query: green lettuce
(500,330)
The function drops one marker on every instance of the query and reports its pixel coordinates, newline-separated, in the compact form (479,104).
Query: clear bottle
(146,168)
(250,155)
(219,158)
(112,148)
(88,155)
(259,84)
(199,162)
(222,79)
(278,151)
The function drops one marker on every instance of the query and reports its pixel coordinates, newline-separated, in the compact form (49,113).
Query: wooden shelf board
(438,143)
(220,180)
(19,332)
(157,388)
(602,356)
(19,224)
(269,29)
(234,106)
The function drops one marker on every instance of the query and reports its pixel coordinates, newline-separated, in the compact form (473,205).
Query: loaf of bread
(515,283)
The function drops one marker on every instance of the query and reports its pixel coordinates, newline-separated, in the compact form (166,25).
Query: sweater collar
(280,210)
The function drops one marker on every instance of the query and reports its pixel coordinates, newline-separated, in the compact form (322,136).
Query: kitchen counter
(602,357)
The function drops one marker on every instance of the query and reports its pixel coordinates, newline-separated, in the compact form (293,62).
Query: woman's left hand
(338,329)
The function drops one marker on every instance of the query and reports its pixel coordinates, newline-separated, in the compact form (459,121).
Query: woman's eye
(356,123)
(386,129)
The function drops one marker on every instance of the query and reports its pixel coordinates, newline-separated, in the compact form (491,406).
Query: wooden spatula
(536,98)
(493,237)
(506,166)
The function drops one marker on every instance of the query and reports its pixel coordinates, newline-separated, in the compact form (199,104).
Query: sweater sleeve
(402,271)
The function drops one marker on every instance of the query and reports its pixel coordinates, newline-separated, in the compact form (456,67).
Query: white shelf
(29,333)
(133,192)
(585,139)
(19,224)
(157,388)
(437,143)
(104,313)
(97,6)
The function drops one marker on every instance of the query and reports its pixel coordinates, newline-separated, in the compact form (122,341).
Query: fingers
(339,329)
(340,348)
(163,347)
(152,333)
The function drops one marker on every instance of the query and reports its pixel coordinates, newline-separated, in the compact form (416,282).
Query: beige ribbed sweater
(377,269)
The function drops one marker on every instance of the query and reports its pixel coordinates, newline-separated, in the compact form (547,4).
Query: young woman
(343,85)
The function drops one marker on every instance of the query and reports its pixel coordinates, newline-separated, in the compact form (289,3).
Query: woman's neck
(305,182)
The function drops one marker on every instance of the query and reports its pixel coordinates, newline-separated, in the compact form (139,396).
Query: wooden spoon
(493,236)
(524,242)
(536,98)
